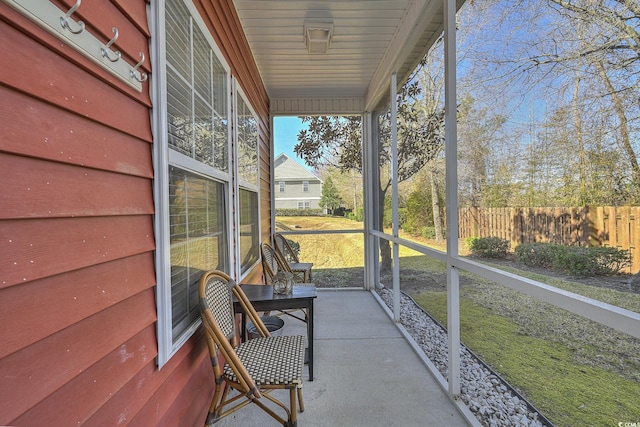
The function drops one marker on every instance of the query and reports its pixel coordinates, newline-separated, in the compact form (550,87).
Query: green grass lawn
(568,393)
(578,373)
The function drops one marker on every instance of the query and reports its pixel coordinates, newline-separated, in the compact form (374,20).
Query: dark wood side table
(263,299)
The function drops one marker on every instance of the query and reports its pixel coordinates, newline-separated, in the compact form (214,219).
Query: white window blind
(197,238)
(196,92)
(196,147)
(248,165)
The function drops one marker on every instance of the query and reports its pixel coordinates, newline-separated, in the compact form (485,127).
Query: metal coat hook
(143,75)
(105,50)
(64,20)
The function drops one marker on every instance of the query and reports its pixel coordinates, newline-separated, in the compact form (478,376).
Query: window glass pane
(203,132)
(197,99)
(220,118)
(179,113)
(249,229)
(247,144)
(197,238)
(202,65)
(178,28)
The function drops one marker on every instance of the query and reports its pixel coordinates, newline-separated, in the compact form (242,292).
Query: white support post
(451,150)
(394,195)
(272,158)
(374,193)
(367,180)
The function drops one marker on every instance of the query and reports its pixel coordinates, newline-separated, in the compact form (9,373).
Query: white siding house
(295,187)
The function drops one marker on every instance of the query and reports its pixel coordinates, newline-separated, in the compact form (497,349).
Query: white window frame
(163,156)
(242,184)
(282,186)
(305,186)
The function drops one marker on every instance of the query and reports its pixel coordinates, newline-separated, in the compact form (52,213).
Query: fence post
(634,241)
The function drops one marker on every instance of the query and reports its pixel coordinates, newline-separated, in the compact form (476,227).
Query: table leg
(243,327)
(310,337)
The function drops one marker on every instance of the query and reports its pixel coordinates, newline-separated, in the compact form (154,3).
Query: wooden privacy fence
(612,226)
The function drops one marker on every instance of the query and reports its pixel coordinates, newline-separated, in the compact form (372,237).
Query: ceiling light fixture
(317,36)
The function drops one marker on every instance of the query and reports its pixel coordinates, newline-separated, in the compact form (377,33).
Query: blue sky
(285,136)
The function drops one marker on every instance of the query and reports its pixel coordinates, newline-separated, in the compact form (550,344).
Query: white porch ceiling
(371,39)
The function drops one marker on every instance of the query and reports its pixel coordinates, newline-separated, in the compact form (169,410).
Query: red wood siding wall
(77,276)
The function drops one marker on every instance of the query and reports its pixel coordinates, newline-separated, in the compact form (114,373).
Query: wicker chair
(253,368)
(289,255)
(272,263)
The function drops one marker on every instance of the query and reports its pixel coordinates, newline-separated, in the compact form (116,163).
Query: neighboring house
(295,187)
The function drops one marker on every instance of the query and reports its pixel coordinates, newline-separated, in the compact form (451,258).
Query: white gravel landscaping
(487,395)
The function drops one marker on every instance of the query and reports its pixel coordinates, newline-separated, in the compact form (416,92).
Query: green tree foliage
(337,141)
(419,213)
(330,196)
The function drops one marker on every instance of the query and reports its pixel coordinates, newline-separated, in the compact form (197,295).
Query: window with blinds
(248,164)
(249,232)
(198,239)
(198,143)
(247,145)
(196,92)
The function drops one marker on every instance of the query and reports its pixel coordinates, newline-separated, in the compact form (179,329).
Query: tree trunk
(385,246)
(435,206)
(624,127)
(582,164)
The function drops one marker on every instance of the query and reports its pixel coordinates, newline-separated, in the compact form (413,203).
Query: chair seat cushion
(300,266)
(272,360)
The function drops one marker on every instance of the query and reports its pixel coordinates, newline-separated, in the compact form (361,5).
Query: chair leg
(300,400)
(293,419)
(219,396)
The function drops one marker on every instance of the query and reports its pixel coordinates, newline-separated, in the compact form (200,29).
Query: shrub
(299,212)
(574,260)
(357,216)
(592,261)
(536,254)
(340,211)
(468,241)
(360,214)
(488,247)
(611,259)
(428,232)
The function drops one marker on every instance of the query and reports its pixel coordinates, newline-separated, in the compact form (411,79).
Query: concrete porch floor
(365,372)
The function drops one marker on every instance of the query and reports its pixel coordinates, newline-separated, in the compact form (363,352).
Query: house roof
(287,169)
(369,41)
